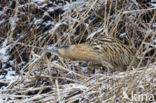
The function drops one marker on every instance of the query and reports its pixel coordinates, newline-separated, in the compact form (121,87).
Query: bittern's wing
(112,50)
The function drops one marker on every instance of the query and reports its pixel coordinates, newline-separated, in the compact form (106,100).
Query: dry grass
(27,30)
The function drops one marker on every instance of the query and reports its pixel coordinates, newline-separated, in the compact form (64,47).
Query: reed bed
(29,74)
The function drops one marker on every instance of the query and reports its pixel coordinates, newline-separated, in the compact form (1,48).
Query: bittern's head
(61,50)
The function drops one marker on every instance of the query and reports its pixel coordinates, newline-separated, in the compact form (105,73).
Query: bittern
(109,52)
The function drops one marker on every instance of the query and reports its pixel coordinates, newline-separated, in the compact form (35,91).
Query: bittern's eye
(97,48)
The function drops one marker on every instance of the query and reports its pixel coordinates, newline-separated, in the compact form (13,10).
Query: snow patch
(38,1)
(93,34)
(2,21)
(4,52)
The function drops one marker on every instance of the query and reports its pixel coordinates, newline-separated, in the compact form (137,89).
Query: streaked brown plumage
(106,51)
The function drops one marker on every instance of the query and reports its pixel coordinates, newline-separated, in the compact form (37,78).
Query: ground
(29,74)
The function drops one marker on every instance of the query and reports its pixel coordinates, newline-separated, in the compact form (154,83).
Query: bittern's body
(109,52)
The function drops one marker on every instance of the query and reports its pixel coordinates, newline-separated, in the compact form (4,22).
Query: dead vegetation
(28,28)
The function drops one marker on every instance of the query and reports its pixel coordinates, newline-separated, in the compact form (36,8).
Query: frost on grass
(4,57)
(28,73)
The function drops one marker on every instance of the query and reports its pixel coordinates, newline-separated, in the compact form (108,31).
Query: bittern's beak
(56,49)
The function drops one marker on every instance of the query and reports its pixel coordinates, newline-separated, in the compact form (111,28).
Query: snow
(48,98)
(38,21)
(69,87)
(11,75)
(48,23)
(2,21)
(38,1)
(3,52)
(154,25)
(123,35)
(55,28)
(73,5)
(84,69)
(46,13)
(94,33)
(154,81)
(154,41)
(3,56)
(12,21)
(153,3)
(51,9)
(135,2)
